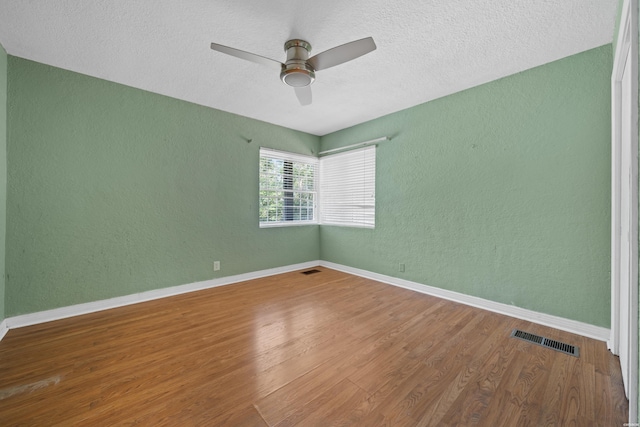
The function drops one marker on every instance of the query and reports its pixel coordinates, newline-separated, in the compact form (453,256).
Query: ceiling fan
(299,71)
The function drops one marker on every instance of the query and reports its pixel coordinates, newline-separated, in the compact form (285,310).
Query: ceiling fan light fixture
(297,75)
(296,72)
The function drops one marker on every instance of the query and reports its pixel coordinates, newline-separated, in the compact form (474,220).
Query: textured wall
(3,170)
(501,191)
(113,191)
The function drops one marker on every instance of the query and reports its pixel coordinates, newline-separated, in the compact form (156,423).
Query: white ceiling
(426,49)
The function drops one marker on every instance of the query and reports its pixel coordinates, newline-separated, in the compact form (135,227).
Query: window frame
(291,194)
(347,188)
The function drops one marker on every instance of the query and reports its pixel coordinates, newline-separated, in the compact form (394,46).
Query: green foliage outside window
(287,190)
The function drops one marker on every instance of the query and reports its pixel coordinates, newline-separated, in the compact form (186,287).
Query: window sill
(286,224)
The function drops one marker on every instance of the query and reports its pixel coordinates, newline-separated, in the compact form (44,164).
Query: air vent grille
(546,342)
(314,271)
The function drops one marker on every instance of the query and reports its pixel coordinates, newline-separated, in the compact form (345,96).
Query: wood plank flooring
(318,350)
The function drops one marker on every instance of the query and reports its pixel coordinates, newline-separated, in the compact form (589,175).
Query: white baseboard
(573,326)
(579,328)
(3,329)
(91,307)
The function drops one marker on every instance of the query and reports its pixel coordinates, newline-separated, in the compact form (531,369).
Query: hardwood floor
(318,350)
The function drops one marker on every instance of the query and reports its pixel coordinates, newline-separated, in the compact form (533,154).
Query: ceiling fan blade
(343,53)
(304,94)
(247,56)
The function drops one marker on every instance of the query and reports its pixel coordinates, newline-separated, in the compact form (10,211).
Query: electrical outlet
(401,268)
(216,265)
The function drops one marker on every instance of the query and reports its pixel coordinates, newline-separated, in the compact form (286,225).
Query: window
(347,188)
(289,192)
(287,188)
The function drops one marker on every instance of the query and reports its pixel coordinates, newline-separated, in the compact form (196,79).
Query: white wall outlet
(216,265)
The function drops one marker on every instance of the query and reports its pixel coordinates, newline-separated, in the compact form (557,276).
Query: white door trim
(627,46)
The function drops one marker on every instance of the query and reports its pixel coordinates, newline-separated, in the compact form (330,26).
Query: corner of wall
(614,42)
(3,174)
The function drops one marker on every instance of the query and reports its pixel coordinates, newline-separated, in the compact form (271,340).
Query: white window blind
(287,188)
(347,188)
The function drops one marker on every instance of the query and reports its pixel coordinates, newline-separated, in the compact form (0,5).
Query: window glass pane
(287,184)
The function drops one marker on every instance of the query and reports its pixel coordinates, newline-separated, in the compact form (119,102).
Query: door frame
(627,44)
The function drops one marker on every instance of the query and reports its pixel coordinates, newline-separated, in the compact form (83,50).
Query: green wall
(3,171)
(113,191)
(501,191)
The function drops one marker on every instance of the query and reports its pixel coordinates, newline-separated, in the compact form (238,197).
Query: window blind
(347,188)
(287,188)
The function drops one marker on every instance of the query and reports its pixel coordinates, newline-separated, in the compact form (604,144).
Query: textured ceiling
(426,49)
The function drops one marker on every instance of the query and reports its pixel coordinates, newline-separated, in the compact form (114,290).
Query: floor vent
(311,271)
(547,342)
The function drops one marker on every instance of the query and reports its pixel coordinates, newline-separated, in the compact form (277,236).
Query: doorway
(624,209)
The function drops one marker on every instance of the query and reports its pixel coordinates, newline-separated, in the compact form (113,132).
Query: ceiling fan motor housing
(296,72)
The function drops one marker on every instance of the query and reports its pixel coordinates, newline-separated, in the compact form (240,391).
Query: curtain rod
(359,144)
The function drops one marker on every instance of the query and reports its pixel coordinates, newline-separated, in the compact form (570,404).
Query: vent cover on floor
(546,342)
(311,271)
